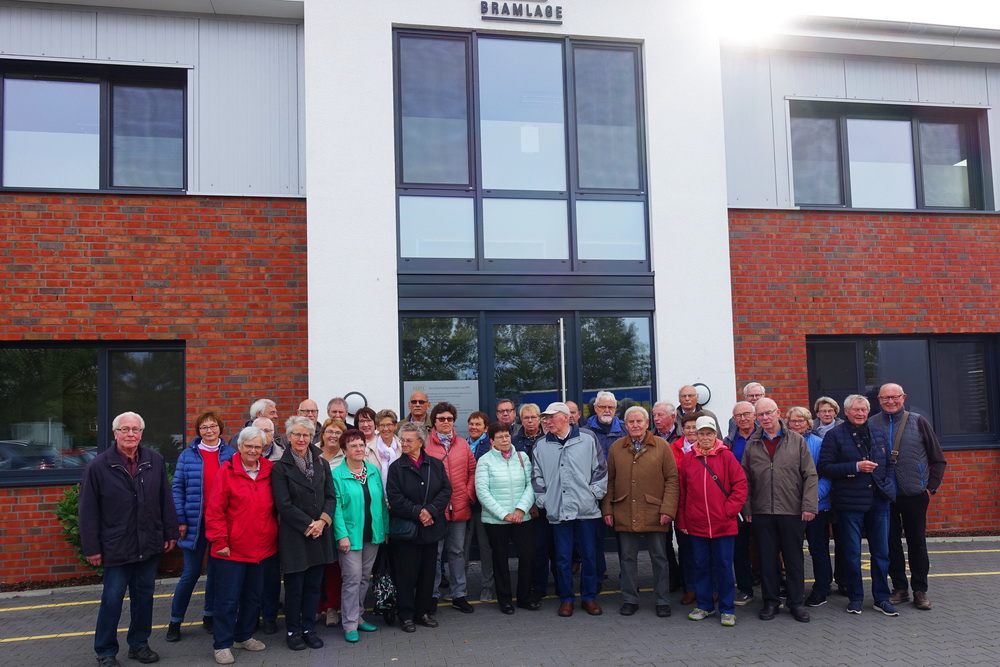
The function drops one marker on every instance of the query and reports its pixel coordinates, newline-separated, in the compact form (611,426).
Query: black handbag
(402,529)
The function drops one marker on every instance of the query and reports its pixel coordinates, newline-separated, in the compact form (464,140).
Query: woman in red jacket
(242,527)
(713,490)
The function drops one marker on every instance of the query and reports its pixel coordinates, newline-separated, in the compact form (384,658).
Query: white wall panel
(951,84)
(993,120)
(801,76)
(248,111)
(152,39)
(746,87)
(881,80)
(47,32)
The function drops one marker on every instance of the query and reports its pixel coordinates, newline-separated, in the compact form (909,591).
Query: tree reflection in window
(440,348)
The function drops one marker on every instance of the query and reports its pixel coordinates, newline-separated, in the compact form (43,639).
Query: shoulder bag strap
(714,476)
(897,437)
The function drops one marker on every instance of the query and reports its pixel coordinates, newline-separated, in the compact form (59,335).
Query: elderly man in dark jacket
(127,519)
(857,459)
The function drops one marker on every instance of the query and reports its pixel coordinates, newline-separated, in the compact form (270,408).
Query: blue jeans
(818,537)
(686,557)
(193,559)
(271,593)
(876,525)
(139,578)
(302,590)
(239,585)
(713,569)
(584,534)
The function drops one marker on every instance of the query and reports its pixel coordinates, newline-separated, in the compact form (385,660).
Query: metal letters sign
(521,12)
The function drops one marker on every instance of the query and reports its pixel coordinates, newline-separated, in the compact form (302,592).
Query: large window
(72,127)
(519,154)
(57,403)
(879,156)
(949,380)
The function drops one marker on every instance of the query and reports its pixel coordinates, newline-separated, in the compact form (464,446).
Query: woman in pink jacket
(713,490)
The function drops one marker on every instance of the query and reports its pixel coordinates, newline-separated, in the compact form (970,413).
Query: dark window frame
(107,76)
(972,119)
(571,195)
(991,347)
(61,476)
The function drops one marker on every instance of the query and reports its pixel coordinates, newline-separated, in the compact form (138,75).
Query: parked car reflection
(26,455)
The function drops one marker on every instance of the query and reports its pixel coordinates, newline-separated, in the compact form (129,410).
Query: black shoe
(295,641)
(208,623)
(663,610)
(312,640)
(842,590)
(628,608)
(406,625)
(462,605)
(537,596)
(444,583)
(815,600)
(531,605)
(799,613)
(173,632)
(767,612)
(426,621)
(507,608)
(434,606)
(270,627)
(143,654)
(108,661)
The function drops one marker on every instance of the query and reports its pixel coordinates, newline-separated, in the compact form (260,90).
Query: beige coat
(642,486)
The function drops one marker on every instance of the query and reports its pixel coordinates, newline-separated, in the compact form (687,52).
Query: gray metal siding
(881,80)
(747,85)
(244,85)
(952,84)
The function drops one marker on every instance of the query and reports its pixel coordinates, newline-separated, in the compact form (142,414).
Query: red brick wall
(798,273)
(225,274)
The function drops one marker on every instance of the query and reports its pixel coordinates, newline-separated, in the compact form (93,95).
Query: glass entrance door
(528,356)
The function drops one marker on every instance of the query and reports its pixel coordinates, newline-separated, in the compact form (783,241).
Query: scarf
(446,440)
(386,453)
(305,465)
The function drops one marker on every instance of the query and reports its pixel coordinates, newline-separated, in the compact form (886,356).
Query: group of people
(317,505)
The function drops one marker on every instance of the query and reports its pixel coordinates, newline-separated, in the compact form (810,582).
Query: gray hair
(605,394)
(297,420)
(746,403)
(336,399)
(666,405)
(533,407)
(637,409)
(798,411)
(260,405)
(414,427)
(751,385)
(117,420)
(856,398)
(264,421)
(251,433)
(826,400)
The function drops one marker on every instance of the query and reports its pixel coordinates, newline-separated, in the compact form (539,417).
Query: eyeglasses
(387,425)
(129,429)
(886,399)
(605,407)
(442,418)
(768,413)
(267,430)
(504,410)
(309,412)
(366,421)
(417,401)
(299,435)
(208,427)
(743,415)
(253,448)
(798,420)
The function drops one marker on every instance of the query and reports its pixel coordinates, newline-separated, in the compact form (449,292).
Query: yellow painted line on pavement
(78,634)
(55,605)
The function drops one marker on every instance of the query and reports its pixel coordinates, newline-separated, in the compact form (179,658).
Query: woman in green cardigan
(360,523)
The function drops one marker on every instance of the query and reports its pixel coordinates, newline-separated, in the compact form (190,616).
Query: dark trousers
(301,597)
(780,534)
(238,602)
(413,568)
(686,555)
(545,554)
(582,533)
(500,536)
(270,592)
(908,514)
(193,560)
(741,559)
(139,579)
(818,537)
(713,572)
(675,566)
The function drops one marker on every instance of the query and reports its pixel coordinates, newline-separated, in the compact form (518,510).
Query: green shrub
(68,512)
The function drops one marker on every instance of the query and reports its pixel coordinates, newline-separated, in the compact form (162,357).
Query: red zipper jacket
(704,509)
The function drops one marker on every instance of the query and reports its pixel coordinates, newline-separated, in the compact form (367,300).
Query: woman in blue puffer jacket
(197,466)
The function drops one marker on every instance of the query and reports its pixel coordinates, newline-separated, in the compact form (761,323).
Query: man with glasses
(310,411)
(752,392)
(460,465)
(783,497)
(605,425)
(687,398)
(743,418)
(127,519)
(419,406)
(262,407)
(920,465)
(507,415)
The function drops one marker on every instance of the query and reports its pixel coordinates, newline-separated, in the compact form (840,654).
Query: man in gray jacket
(919,464)
(570,476)
(783,498)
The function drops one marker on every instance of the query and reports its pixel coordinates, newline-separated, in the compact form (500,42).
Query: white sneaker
(251,645)
(486,595)
(332,617)
(224,656)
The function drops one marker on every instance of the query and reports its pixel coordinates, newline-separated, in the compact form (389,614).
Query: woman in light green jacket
(503,486)
(360,523)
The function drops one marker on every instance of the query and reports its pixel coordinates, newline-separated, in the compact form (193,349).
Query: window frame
(104,439)
(971,118)
(475,190)
(107,77)
(991,369)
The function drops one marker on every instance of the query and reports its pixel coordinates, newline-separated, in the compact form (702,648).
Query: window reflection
(816,161)
(881,154)
(525,229)
(436,227)
(611,230)
(944,164)
(148,137)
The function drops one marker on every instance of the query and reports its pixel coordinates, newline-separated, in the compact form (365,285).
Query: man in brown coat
(641,500)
